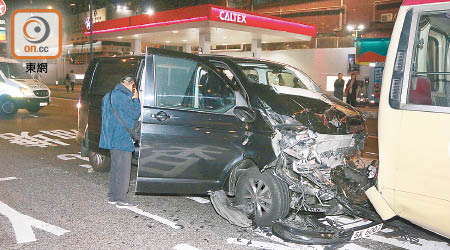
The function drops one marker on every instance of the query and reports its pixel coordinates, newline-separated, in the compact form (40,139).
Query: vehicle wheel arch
(233,175)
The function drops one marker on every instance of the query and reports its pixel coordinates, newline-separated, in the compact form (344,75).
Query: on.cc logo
(36,33)
(36,29)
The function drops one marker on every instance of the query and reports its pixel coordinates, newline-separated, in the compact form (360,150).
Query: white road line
(86,166)
(352,246)
(8,178)
(258,244)
(22,225)
(422,244)
(155,217)
(199,199)
(185,247)
(33,115)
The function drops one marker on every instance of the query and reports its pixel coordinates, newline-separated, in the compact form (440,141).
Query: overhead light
(119,37)
(372,64)
(150,11)
(49,7)
(361,27)
(119,7)
(184,40)
(167,41)
(72,4)
(174,31)
(350,27)
(136,35)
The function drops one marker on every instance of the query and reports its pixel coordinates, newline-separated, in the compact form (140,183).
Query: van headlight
(26,92)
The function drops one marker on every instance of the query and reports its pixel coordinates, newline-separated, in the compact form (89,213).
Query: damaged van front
(310,142)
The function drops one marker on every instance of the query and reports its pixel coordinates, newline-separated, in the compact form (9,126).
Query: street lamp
(150,11)
(355,28)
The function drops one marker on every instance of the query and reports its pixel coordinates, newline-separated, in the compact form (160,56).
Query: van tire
(99,162)
(33,109)
(268,187)
(8,106)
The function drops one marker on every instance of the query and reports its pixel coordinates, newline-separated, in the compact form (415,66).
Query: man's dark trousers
(119,175)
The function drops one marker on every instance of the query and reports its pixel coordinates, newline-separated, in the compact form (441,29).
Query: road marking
(259,244)
(199,199)
(38,140)
(421,244)
(185,247)
(86,166)
(67,157)
(155,217)
(22,225)
(8,178)
(33,115)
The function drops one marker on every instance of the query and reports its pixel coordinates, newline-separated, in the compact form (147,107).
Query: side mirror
(245,114)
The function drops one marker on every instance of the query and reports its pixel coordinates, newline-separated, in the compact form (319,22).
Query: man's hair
(127,77)
(339,73)
(71,71)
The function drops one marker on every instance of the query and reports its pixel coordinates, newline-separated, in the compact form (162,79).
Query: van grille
(41,93)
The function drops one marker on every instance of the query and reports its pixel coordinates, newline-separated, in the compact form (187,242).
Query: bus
(414,119)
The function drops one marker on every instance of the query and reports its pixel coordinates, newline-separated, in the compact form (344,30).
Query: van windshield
(268,73)
(14,71)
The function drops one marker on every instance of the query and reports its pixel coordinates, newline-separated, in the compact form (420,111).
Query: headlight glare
(26,92)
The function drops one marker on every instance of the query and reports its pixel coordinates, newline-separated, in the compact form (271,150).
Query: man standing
(72,79)
(351,89)
(339,87)
(122,102)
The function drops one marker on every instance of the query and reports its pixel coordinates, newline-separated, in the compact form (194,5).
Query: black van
(261,131)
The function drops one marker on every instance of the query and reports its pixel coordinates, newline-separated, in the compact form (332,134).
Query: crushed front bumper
(294,233)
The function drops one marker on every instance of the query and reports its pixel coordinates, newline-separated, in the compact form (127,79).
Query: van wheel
(8,106)
(34,109)
(99,162)
(267,194)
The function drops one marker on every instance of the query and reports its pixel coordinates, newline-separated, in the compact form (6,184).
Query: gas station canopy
(203,25)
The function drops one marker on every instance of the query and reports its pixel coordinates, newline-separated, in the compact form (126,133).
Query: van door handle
(161,116)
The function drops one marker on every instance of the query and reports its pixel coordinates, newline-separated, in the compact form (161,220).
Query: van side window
(186,84)
(430,77)
(109,73)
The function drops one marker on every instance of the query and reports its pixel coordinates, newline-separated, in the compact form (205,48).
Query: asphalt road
(51,199)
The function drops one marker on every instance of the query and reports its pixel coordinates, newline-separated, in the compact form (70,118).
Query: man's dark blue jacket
(113,133)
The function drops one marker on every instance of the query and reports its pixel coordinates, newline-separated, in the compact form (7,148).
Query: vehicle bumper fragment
(237,215)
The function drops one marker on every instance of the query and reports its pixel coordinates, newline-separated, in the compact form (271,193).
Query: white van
(414,119)
(18,90)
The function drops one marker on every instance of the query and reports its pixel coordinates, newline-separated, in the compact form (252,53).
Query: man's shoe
(121,204)
(111,201)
